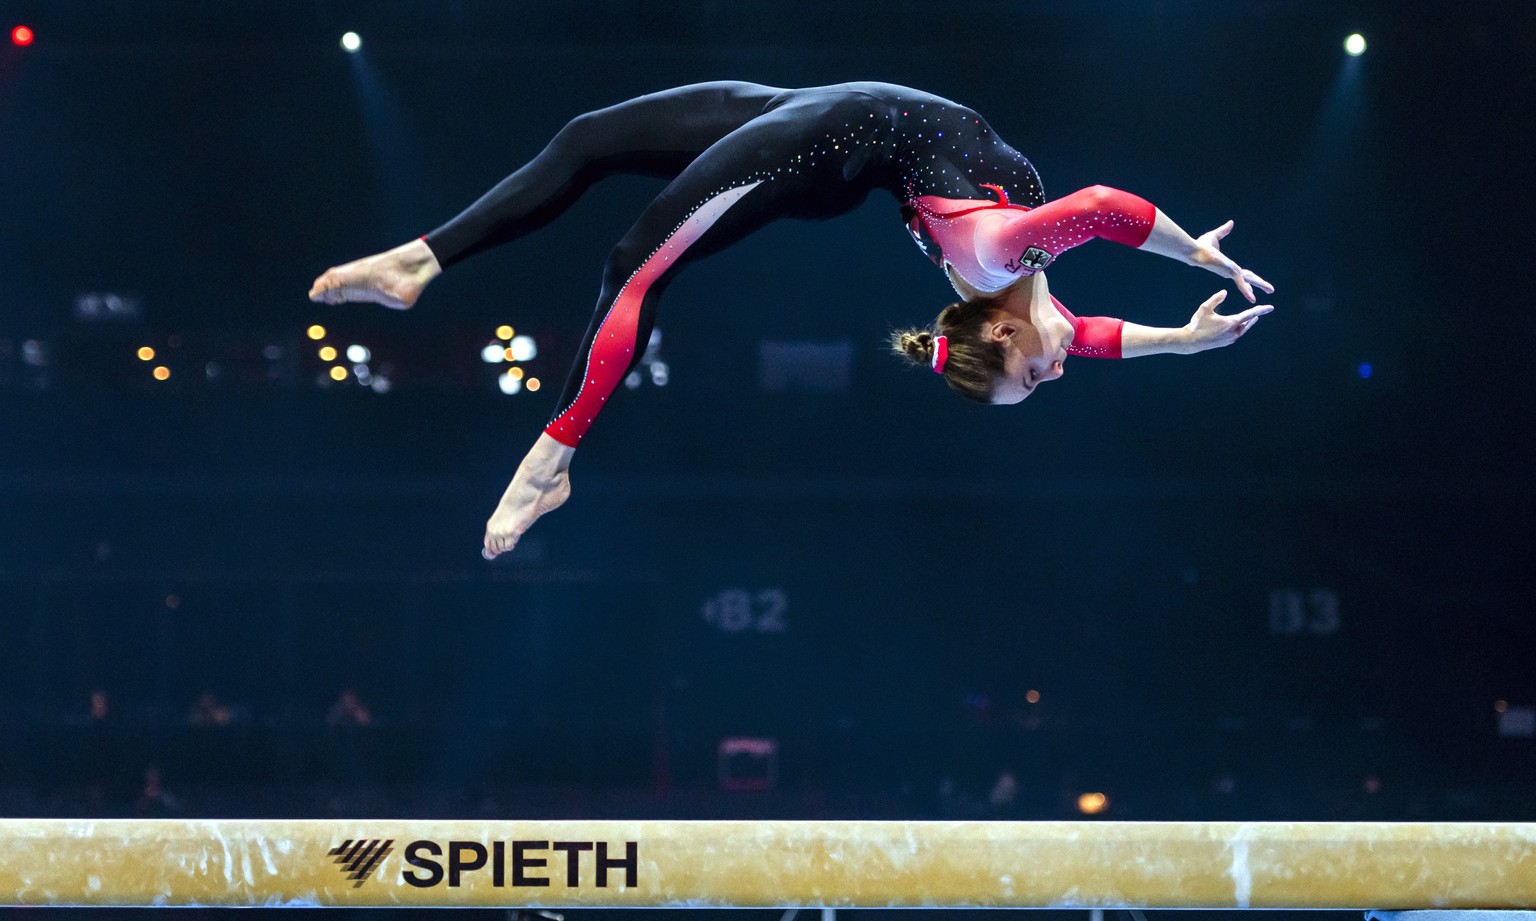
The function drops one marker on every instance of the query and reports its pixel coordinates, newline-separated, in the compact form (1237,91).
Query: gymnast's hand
(1208,255)
(1208,329)
(542,484)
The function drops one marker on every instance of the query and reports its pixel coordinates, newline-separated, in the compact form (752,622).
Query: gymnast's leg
(656,135)
(792,162)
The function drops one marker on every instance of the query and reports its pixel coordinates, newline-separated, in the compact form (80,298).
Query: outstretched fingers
(1210,330)
(1258,282)
(1209,254)
(1242,322)
(1240,278)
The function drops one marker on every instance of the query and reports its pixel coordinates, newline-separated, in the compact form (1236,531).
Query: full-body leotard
(742,155)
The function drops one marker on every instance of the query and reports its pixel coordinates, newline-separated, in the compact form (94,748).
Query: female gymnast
(740,155)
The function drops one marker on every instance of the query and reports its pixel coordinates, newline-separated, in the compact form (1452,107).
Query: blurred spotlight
(316,332)
(1516,722)
(93,306)
(1499,706)
(508,354)
(399,156)
(146,353)
(660,374)
(1092,803)
(34,352)
(509,384)
(338,373)
(327,353)
(492,354)
(1365,370)
(1355,45)
(515,372)
(523,348)
(162,373)
(504,332)
(21,36)
(351,42)
(358,354)
(533,384)
(1032,696)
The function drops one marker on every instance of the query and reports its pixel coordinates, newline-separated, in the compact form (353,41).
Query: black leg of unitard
(657,135)
(811,156)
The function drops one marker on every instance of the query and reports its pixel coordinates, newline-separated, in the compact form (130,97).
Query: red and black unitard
(742,155)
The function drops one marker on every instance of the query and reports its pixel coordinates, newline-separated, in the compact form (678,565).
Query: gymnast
(741,155)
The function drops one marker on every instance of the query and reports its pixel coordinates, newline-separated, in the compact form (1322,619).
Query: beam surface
(667,864)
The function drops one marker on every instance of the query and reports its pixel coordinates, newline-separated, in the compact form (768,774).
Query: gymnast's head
(994,349)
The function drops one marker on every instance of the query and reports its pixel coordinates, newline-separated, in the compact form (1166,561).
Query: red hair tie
(940,353)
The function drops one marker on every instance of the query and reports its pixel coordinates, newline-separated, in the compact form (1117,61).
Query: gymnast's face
(1034,348)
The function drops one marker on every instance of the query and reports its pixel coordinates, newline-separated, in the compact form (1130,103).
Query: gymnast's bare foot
(394,278)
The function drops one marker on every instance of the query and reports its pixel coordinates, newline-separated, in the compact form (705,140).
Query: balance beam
(662,864)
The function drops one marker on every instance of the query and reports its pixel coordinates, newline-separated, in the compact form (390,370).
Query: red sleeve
(1094,337)
(1097,211)
(1032,239)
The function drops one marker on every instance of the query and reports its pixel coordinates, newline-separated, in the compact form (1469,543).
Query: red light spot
(21,35)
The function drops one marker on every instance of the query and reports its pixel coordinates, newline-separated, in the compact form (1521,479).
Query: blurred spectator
(348,710)
(209,712)
(1004,790)
(155,800)
(101,708)
(98,765)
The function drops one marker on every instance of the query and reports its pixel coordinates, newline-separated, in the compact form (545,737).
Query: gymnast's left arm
(1169,239)
(1120,217)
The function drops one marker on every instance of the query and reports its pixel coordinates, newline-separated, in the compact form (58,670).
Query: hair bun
(957,347)
(916,345)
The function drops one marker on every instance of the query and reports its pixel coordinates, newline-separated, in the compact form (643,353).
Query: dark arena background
(239,532)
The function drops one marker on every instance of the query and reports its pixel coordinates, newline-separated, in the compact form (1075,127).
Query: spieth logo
(358,858)
(516,863)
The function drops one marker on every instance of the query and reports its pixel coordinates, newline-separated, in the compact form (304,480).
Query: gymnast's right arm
(1207,329)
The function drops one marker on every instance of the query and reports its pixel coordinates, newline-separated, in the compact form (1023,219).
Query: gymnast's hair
(974,362)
